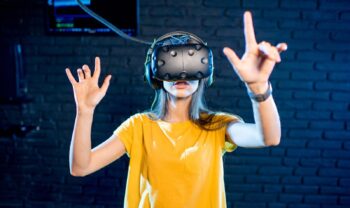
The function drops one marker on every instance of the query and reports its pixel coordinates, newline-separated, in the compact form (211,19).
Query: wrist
(258,87)
(258,95)
(85,111)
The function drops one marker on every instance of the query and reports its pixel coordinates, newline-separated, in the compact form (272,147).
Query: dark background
(309,169)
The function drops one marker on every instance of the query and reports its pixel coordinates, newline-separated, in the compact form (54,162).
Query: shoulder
(134,121)
(226,117)
(140,117)
(217,120)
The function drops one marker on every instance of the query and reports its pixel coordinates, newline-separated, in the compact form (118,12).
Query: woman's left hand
(258,60)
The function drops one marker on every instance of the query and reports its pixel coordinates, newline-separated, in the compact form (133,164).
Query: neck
(177,109)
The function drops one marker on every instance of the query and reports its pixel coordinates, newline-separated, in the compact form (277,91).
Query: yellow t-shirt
(173,164)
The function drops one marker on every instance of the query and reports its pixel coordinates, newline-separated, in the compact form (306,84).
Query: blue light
(62,3)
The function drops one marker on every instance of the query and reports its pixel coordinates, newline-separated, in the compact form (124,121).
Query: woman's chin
(181,95)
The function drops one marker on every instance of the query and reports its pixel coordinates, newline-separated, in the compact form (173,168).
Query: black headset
(178,55)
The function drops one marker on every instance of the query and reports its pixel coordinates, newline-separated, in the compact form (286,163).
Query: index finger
(97,68)
(249,30)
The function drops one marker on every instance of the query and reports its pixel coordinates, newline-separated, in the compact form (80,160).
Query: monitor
(65,16)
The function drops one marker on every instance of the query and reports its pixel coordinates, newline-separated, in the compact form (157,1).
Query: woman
(176,148)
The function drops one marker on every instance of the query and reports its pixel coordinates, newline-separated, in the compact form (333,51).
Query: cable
(109,25)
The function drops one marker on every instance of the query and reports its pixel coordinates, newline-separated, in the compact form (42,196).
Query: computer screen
(65,16)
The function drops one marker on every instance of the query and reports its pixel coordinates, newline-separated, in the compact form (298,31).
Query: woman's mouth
(180,84)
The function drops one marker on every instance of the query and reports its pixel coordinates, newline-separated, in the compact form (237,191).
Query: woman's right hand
(87,93)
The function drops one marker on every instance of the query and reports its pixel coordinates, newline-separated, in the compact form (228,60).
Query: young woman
(176,148)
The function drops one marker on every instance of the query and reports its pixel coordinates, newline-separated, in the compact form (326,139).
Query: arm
(254,69)
(84,161)
(265,132)
(87,94)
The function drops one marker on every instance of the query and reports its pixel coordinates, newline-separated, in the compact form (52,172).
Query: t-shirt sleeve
(125,132)
(227,144)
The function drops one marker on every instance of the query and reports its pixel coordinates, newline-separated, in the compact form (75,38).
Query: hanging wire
(110,25)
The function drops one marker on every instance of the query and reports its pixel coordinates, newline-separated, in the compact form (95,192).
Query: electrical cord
(110,25)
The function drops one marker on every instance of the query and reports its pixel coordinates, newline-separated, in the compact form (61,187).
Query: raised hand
(258,60)
(87,93)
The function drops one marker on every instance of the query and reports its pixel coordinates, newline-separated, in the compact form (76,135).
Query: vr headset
(174,56)
(178,56)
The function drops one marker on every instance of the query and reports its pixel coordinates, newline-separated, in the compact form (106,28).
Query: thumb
(105,84)
(231,56)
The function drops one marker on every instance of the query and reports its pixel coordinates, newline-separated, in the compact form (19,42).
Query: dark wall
(309,169)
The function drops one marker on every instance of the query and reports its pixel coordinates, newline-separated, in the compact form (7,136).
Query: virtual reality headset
(178,55)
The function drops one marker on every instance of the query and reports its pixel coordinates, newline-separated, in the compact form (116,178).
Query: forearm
(80,147)
(266,117)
